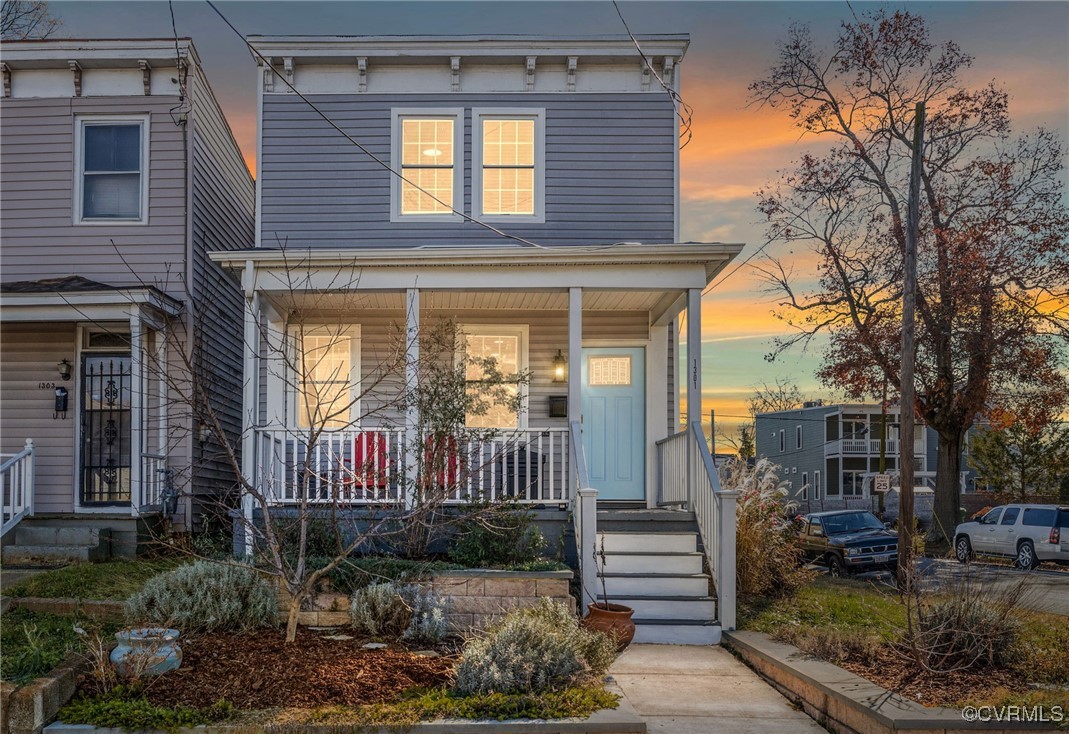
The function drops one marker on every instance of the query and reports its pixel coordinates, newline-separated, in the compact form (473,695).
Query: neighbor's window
(428,150)
(111,170)
(326,361)
(510,168)
(507,346)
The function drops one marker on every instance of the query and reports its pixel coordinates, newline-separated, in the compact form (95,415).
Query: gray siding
(609,171)
(794,461)
(223,201)
(36,225)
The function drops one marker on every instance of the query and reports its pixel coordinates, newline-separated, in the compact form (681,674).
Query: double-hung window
(428,153)
(327,364)
(507,346)
(111,170)
(508,164)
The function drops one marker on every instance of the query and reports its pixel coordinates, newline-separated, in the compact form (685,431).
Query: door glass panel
(610,371)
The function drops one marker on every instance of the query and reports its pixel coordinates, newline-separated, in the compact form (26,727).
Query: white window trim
(816,485)
(523,331)
(798,437)
(782,440)
(518,113)
(355,372)
(79,163)
(805,486)
(397,114)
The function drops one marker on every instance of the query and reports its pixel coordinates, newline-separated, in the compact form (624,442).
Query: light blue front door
(614,421)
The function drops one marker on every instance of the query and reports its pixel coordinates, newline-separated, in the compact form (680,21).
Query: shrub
(206,596)
(359,571)
(122,708)
(966,627)
(534,650)
(395,611)
(495,538)
(829,643)
(768,558)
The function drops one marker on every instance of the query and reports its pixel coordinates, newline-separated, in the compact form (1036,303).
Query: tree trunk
(291,618)
(947,486)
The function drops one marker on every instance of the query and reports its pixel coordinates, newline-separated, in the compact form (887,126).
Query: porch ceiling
(475,300)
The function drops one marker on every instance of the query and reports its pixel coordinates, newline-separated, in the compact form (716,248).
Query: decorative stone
(375,646)
(427,654)
(338,637)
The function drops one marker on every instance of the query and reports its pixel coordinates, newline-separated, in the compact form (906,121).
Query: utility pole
(908,388)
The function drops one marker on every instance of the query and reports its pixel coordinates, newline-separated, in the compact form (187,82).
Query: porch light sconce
(560,367)
(203,433)
(64,367)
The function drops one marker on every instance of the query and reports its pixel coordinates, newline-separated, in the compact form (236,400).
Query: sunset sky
(736,147)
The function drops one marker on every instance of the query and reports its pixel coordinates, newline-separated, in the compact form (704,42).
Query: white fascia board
(717,254)
(93,54)
(487,46)
(14,304)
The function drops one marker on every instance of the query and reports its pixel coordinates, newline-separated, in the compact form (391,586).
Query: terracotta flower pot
(612,619)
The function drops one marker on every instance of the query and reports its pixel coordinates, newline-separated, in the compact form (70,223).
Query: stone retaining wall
(474,599)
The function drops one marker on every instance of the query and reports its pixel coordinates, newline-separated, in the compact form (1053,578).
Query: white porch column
(411,379)
(138,383)
(694,356)
(575,354)
(250,401)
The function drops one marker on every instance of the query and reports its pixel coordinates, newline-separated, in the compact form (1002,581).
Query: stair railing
(584,517)
(687,477)
(16,484)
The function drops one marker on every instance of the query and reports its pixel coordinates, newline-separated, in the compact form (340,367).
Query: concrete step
(656,584)
(646,521)
(678,563)
(620,542)
(676,632)
(59,535)
(668,607)
(53,555)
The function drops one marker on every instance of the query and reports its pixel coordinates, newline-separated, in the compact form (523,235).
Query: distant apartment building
(830,453)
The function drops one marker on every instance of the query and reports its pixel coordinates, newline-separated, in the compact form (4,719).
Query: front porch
(595,331)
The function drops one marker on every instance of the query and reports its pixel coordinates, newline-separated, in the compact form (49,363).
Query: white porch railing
(688,477)
(584,518)
(153,480)
(16,483)
(867,446)
(367,466)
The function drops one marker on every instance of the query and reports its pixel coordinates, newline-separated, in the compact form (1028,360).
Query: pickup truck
(848,541)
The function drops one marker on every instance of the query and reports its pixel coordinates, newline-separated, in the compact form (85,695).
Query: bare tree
(25,19)
(782,394)
(993,255)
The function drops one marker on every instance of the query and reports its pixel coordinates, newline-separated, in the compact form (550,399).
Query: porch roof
(74,298)
(624,266)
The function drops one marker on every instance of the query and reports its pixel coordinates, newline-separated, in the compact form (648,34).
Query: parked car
(1029,534)
(848,541)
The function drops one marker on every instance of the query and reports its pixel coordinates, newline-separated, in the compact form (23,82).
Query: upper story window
(508,165)
(428,152)
(111,170)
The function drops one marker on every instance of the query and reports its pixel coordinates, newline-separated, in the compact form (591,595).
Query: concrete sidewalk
(703,690)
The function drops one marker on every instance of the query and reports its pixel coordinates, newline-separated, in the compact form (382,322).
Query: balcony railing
(867,446)
(372,466)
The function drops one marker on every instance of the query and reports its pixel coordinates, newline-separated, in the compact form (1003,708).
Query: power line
(684,111)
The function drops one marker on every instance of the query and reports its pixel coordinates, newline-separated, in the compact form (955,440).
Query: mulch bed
(895,672)
(260,671)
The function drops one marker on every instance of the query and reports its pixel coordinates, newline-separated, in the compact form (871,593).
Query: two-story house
(120,175)
(527,189)
(829,455)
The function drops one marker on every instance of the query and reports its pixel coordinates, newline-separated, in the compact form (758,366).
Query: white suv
(1027,533)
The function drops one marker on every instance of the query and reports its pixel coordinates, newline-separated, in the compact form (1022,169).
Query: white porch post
(725,568)
(250,401)
(411,379)
(694,356)
(137,417)
(575,366)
